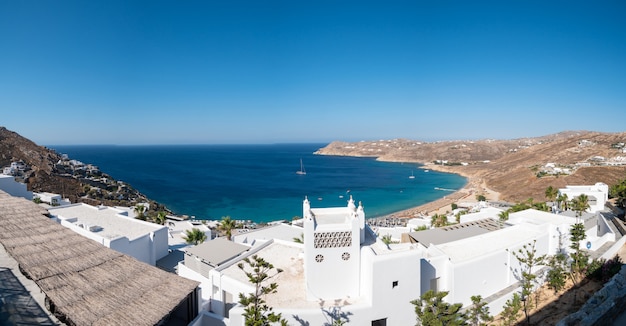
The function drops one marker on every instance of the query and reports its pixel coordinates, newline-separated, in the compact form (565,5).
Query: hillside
(47,171)
(518,169)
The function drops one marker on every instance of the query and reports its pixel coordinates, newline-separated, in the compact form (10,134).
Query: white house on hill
(598,195)
(147,242)
(344,272)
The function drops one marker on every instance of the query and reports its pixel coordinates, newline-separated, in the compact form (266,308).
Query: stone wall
(604,306)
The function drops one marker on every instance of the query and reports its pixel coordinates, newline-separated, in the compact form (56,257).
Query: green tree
(226,226)
(257,312)
(618,191)
(529,260)
(481,197)
(563,201)
(551,193)
(431,310)
(439,220)
(557,273)
(580,259)
(511,310)
(580,205)
(194,236)
(503,217)
(161,217)
(478,312)
(139,211)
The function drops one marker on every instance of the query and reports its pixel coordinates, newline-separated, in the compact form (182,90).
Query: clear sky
(189,72)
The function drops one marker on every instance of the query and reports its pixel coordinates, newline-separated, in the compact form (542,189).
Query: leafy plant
(558,272)
(478,313)
(194,236)
(529,260)
(257,312)
(511,310)
(431,310)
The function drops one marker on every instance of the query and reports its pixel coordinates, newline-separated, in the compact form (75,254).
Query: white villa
(343,271)
(145,241)
(51,199)
(598,195)
(14,188)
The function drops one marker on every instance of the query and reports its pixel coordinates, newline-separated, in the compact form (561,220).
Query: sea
(259,182)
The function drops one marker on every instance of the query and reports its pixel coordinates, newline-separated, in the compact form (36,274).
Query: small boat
(301,171)
(411,176)
(426,170)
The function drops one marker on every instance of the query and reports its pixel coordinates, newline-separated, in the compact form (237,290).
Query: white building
(14,188)
(344,271)
(147,242)
(51,199)
(598,195)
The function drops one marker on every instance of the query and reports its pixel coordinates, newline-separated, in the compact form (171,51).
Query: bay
(259,182)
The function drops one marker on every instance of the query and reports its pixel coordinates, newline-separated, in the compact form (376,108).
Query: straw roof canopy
(87,283)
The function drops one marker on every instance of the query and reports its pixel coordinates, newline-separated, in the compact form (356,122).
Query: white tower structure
(332,246)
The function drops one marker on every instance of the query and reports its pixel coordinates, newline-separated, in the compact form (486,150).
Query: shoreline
(474,186)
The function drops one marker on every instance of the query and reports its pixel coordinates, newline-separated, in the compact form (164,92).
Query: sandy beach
(475,186)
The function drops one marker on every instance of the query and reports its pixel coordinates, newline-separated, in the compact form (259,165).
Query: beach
(475,186)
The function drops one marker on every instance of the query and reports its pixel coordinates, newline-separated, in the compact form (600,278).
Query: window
(345,256)
(379,322)
(394,284)
(319,258)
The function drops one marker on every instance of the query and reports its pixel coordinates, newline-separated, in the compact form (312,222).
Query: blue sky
(189,72)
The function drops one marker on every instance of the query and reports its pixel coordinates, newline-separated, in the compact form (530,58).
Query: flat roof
(113,225)
(218,251)
(537,217)
(439,236)
(454,232)
(470,248)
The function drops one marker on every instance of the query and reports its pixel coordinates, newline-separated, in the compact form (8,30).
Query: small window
(379,322)
(345,256)
(319,258)
(394,284)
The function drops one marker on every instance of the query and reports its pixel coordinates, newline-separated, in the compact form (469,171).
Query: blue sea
(259,182)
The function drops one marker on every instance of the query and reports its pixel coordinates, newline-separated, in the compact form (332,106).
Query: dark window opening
(379,322)
(394,284)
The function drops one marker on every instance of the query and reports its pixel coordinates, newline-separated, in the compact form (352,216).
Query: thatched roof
(87,283)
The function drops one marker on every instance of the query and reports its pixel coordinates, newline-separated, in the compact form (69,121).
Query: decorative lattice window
(319,258)
(345,256)
(332,239)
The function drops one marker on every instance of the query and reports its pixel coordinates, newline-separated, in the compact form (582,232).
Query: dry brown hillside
(511,167)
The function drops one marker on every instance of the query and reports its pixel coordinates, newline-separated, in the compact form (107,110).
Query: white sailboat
(411,176)
(302,171)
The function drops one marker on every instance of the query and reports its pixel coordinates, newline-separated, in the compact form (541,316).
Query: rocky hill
(47,171)
(518,169)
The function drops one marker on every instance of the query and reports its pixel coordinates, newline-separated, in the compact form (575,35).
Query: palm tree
(160,217)
(226,226)
(439,220)
(580,204)
(551,193)
(194,236)
(299,239)
(562,199)
(503,217)
(139,210)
